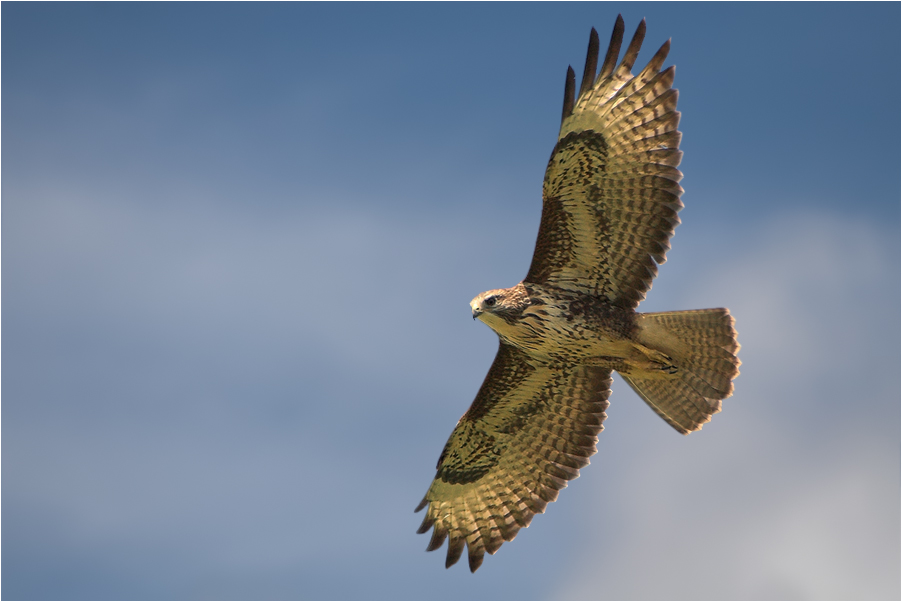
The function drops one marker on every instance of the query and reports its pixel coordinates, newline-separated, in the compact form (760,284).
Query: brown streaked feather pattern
(611,192)
(530,429)
(611,196)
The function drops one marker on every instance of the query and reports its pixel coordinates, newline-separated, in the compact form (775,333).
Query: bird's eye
(490,301)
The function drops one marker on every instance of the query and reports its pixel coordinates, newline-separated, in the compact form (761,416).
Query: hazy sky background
(238,246)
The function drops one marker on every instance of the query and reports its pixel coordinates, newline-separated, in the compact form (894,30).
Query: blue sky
(238,246)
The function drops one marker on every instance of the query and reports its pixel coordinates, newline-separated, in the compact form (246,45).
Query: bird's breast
(568,328)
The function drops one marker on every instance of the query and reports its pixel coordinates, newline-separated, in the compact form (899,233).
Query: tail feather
(703,346)
(675,401)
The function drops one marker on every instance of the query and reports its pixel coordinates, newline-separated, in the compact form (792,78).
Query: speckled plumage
(610,203)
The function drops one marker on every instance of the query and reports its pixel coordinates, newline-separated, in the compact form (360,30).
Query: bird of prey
(609,208)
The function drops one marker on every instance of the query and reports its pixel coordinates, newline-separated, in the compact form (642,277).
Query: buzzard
(610,203)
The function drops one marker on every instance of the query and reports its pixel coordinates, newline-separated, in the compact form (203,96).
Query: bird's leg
(652,360)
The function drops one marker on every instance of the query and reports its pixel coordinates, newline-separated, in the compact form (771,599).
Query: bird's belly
(569,341)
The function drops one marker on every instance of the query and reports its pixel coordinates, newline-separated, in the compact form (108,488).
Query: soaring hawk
(610,203)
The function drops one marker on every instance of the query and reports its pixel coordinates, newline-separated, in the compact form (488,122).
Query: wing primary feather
(569,91)
(591,63)
(632,51)
(455,549)
(438,538)
(660,56)
(475,558)
(610,58)
(427,522)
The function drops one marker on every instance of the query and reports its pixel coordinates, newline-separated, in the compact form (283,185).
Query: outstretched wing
(610,197)
(530,429)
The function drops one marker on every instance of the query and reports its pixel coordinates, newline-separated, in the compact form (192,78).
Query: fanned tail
(703,346)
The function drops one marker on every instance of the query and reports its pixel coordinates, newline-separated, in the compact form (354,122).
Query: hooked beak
(476,312)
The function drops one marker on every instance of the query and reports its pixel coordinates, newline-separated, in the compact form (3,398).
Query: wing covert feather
(611,192)
(530,429)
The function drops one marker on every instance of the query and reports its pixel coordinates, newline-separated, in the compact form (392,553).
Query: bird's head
(500,306)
